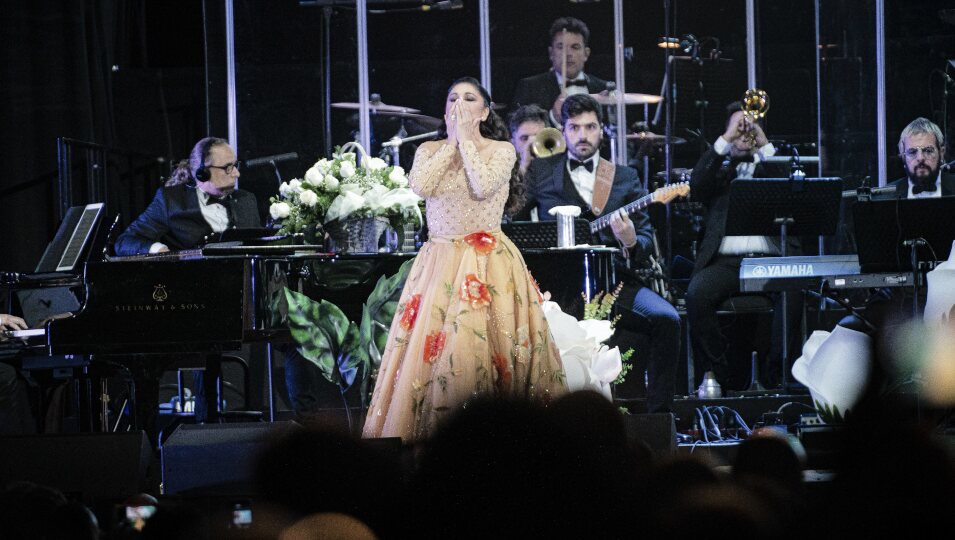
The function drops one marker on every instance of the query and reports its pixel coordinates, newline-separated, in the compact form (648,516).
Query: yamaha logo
(759,271)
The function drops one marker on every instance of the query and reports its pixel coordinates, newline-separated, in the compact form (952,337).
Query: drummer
(568,52)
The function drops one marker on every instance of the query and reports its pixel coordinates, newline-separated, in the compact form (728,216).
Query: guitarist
(582,178)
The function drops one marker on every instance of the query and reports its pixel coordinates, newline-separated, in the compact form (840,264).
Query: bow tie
(574,164)
(928,187)
(576,82)
(225,201)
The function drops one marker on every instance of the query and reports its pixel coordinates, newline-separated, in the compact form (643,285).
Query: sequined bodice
(465,188)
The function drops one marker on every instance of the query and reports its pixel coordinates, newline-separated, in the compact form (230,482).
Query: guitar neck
(604,221)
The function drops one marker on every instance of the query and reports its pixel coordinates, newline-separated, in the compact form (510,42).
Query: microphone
(948,166)
(398,141)
(277,158)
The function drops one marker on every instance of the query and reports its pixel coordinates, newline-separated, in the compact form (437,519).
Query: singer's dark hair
(185,171)
(573,25)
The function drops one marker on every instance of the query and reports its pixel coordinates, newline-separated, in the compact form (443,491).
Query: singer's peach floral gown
(469,321)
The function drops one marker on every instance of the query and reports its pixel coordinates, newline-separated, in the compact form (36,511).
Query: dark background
(147,78)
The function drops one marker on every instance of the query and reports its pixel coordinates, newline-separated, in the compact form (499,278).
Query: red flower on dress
(482,242)
(475,292)
(433,345)
(410,312)
(503,373)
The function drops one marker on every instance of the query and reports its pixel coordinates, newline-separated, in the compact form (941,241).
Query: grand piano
(214,300)
(155,313)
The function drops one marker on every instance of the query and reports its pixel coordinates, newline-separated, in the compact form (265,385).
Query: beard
(922,172)
(583,150)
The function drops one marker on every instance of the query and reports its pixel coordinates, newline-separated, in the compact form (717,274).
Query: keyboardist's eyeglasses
(927,151)
(227,168)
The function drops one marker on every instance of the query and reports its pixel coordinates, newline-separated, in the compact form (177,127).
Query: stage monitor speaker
(215,459)
(657,430)
(89,466)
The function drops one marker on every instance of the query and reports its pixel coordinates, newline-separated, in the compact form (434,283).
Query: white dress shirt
(215,215)
(571,90)
(583,179)
(742,245)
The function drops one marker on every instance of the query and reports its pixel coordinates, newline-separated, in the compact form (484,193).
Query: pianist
(199,199)
(15,415)
(12,322)
(735,154)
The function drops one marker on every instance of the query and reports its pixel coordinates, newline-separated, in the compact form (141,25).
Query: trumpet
(755,105)
(548,142)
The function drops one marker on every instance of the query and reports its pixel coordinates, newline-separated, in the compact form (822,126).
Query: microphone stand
(395,143)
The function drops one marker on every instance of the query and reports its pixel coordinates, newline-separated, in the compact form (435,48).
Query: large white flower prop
(588,364)
(835,367)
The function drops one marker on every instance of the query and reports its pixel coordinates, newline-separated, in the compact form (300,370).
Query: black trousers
(652,315)
(709,288)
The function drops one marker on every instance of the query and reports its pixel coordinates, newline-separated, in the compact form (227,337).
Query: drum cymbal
(628,99)
(426,123)
(677,174)
(376,106)
(392,121)
(654,138)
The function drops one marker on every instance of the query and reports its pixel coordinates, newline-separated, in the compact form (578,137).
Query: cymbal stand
(394,151)
(610,132)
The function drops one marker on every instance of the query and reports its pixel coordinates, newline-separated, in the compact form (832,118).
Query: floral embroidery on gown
(469,320)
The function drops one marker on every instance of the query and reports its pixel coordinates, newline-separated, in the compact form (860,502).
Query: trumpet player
(525,123)
(735,154)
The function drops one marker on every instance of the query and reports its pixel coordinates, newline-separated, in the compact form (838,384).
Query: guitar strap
(602,185)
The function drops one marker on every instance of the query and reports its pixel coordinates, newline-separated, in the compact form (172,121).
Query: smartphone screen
(241,516)
(137,515)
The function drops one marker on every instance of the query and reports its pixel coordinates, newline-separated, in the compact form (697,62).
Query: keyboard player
(922,151)
(735,154)
(200,198)
(15,414)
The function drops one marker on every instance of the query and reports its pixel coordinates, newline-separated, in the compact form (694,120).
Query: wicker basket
(356,235)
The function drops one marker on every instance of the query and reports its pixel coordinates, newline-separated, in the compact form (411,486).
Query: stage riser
(92,466)
(215,458)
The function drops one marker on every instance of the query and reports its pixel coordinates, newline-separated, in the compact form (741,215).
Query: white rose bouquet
(340,188)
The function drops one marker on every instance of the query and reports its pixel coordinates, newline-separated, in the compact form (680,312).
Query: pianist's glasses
(227,168)
(927,151)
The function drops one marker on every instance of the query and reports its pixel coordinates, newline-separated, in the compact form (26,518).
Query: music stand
(889,234)
(771,206)
(543,234)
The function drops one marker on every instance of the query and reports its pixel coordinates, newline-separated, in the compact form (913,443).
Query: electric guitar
(663,195)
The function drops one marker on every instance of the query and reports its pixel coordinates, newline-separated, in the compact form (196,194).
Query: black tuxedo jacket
(175,219)
(549,185)
(902,186)
(710,185)
(542,89)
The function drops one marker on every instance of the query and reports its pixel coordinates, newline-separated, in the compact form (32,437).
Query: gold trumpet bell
(548,142)
(755,103)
